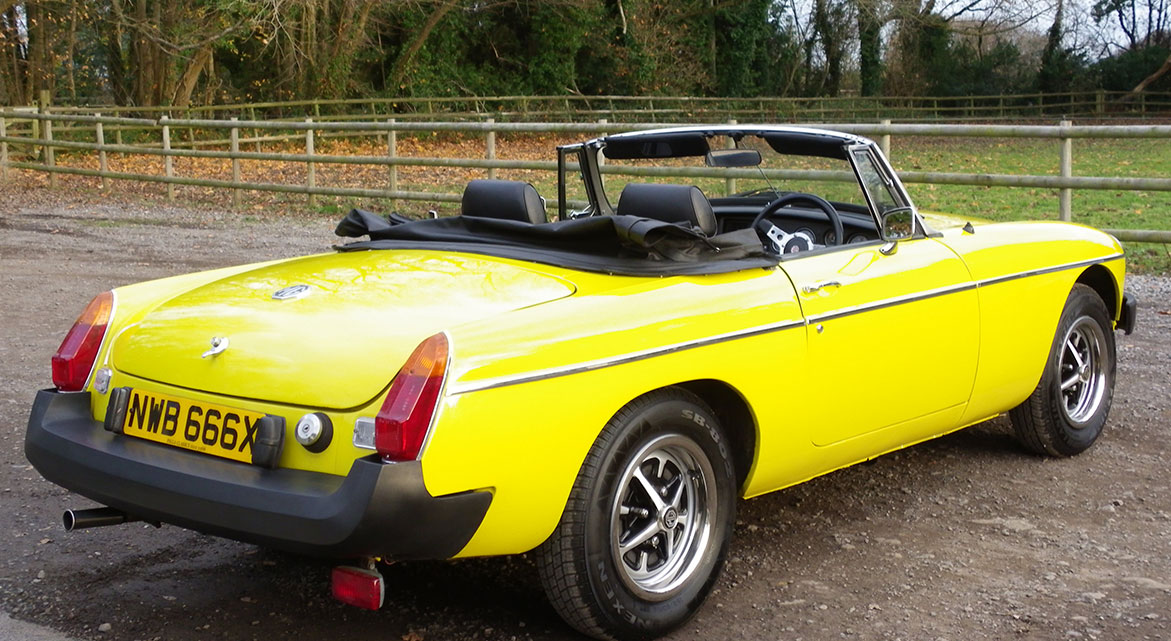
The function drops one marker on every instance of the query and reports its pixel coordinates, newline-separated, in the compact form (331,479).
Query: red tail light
(402,423)
(75,358)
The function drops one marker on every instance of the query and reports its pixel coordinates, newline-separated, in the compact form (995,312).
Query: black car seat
(503,200)
(679,204)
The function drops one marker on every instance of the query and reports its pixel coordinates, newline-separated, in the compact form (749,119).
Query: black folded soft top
(625,245)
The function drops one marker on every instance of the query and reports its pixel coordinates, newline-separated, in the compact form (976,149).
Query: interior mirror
(898,224)
(732,158)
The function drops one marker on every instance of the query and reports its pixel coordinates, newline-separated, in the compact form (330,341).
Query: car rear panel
(337,340)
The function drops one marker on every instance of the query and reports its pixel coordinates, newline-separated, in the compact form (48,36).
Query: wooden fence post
(50,159)
(884,139)
(1100,102)
(103,166)
(392,152)
(235,150)
(42,107)
(190,131)
(730,183)
(3,150)
(168,162)
(255,132)
(490,145)
(311,175)
(1066,194)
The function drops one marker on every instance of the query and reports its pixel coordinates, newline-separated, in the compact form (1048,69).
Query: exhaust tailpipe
(95,517)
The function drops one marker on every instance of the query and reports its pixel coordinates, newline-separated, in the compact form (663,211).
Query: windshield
(777,174)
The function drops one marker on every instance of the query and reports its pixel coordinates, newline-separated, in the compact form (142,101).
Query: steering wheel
(788,199)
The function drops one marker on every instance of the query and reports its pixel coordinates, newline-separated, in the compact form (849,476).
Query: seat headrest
(503,199)
(679,204)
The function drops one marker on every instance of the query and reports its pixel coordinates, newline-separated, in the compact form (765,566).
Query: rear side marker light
(358,587)
(75,358)
(401,425)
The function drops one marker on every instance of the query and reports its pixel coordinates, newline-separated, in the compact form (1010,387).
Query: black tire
(1065,414)
(649,589)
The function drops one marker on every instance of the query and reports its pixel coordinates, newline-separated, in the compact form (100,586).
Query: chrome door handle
(817,287)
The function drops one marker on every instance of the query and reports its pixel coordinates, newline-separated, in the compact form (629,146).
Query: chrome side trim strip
(1049,270)
(456,389)
(890,302)
(553,372)
(941,291)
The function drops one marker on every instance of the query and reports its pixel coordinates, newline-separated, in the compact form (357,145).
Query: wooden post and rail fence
(1097,104)
(222,139)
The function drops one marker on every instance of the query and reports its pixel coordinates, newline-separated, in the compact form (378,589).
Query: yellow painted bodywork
(945,332)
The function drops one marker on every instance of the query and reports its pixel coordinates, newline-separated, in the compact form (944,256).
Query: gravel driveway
(965,537)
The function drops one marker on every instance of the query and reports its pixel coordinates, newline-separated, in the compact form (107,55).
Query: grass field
(1107,209)
(1098,208)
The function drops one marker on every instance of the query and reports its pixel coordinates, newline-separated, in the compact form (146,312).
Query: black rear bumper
(378,509)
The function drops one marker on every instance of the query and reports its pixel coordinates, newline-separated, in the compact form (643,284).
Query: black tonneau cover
(626,245)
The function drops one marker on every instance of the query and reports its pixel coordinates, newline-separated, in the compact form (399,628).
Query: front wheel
(647,524)
(1066,412)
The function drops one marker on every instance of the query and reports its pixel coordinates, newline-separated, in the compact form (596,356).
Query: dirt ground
(965,537)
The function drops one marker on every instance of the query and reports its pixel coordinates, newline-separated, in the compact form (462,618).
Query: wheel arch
(1101,280)
(736,417)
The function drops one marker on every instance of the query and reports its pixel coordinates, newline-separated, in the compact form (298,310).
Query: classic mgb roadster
(597,384)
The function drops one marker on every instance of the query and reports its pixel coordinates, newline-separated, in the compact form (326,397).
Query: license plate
(221,431)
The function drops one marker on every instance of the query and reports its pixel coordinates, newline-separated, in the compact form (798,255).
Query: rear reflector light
(75,358)
(401,425)
(358,587)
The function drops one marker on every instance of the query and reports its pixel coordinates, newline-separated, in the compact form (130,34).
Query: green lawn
(1099,208)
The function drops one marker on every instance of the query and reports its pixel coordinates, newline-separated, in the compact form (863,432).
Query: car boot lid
(336,326)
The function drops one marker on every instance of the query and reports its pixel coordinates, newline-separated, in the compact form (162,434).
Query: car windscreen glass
(829,178)
(875,182)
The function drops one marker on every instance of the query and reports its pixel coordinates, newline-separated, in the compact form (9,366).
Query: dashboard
(736,213)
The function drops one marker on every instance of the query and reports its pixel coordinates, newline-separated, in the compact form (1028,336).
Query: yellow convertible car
(708,314)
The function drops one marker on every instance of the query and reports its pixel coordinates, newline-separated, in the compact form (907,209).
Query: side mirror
(897,224)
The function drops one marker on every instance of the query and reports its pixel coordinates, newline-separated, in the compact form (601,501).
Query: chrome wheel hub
(660,523)
(669,518)
(1082,370)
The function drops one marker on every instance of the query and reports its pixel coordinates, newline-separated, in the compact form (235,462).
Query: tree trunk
(12,60)
(140,53)
(71,51)
(831,44)
(402,65)
(309,51)
(869,47)
(116,59)
(33,63)
(1049,75)
(186,85)
(1142,86)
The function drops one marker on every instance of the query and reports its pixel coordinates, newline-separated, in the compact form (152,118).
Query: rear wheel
(648,521)
(1066,412)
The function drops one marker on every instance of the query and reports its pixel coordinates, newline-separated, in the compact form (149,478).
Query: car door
(893,340)
(892,328)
